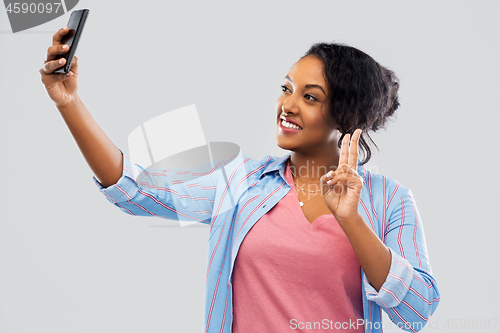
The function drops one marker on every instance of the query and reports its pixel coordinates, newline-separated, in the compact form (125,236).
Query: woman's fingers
(335,183)
(60,87)
(55,51)
(50,79)
(343,173)
(349,151)
(353,150)
(344,150)
(58,36)
(74,65)
(51,66)
(56,48)
(53,60)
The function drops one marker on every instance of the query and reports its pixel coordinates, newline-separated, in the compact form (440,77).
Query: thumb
(74,65)
(50,79)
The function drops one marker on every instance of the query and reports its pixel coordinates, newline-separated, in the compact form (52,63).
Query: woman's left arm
(396,266)
(373,255)
(342,194)
(410,294)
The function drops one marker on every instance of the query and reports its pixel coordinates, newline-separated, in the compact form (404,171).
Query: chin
(283,145)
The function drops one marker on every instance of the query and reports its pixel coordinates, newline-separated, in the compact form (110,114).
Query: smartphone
(76,23)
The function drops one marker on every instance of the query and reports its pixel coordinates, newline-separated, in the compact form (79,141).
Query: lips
(291,121)
(286,130)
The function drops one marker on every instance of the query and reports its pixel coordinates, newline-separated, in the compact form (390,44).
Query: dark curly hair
(362,93)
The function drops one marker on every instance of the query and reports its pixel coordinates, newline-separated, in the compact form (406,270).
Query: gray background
(71,262)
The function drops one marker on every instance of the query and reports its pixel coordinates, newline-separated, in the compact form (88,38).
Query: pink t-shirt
(291,275)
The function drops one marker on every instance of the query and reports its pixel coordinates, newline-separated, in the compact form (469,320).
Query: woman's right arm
(103,157)
(186,195)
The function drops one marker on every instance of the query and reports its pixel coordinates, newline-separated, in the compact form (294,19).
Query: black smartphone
(76,23)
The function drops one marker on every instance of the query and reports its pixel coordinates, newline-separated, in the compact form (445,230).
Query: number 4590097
(470,324)
(32,8)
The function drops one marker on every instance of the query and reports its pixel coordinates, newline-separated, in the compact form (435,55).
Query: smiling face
(303,102)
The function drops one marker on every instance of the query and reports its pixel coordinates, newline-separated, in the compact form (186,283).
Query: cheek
(319,124)
(323,128)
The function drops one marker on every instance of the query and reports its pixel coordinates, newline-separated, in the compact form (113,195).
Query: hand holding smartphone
(76,23)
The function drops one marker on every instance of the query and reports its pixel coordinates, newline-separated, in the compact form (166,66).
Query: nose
(283,108)
(289,106)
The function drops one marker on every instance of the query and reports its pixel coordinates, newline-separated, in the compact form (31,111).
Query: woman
(334,243)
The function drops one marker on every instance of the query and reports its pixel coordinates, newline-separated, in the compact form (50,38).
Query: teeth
(289,125)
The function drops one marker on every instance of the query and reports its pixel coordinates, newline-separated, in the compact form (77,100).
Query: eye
(285,88)
(309,97)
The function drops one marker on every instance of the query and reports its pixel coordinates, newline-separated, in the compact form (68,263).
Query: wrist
(69,105)
(350,221)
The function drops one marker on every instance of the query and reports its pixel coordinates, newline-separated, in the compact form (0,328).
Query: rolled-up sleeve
(395,286)
(175,194)
(410,293)
(126,187)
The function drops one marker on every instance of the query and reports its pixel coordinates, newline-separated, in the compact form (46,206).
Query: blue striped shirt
(231,196)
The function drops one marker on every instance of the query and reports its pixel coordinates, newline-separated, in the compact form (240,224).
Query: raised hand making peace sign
(341,188)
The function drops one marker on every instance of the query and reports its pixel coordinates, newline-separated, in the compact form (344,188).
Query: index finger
(58,36)
(344,150)
(353,151)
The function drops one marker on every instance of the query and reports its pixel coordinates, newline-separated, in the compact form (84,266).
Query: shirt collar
(279,164)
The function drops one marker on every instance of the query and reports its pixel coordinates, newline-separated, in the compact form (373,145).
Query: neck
(312,167)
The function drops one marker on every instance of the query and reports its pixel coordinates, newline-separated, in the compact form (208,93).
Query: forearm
(373,255)
(103,157)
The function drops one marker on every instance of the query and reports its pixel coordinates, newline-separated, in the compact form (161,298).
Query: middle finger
(353,151)
(51,66)
(54,51)
(56,40)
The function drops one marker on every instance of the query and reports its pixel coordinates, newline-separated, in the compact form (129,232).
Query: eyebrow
(308,85)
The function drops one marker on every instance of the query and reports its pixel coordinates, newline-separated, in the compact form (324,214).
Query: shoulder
(380,186)
(254,166)
(242,172)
